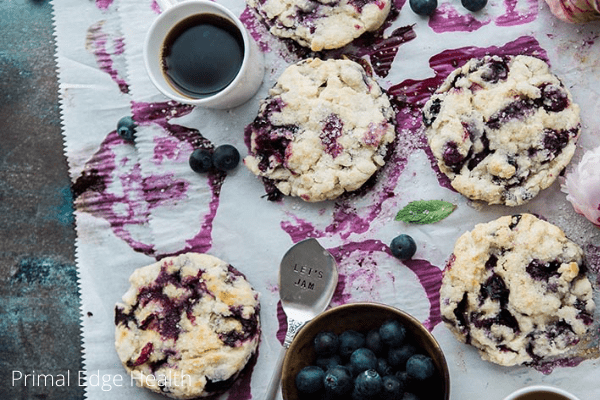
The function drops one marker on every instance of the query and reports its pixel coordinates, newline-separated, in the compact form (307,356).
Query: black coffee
(542,395)
(202,54)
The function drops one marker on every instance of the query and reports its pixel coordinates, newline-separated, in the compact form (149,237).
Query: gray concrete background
(39,302)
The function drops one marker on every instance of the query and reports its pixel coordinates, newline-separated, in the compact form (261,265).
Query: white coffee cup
(245,84)
(541,392)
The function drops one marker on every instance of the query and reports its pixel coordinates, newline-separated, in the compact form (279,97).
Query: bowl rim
(445,374)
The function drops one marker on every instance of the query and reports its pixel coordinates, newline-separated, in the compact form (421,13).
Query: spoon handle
(274,385)
(293,326)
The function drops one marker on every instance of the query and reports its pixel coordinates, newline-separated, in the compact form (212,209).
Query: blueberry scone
(321,24)
(187,326)
(502,128)
(323,130)
(515,288)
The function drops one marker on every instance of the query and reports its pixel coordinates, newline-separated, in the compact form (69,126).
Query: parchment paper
(135,203)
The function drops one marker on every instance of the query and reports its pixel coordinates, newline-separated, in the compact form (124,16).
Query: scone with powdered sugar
(187,326)
(516,289)
(321,24)
(324,130)
(502,128)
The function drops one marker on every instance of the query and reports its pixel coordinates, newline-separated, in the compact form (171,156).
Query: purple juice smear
(165,190)
(256,29)
(104,4)
(98,40)
(241,387)
(91,195)
(514,17)
(447,18)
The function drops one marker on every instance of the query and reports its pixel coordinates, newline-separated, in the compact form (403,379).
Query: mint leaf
(425,211)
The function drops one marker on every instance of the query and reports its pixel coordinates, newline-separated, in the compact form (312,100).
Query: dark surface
(39,303)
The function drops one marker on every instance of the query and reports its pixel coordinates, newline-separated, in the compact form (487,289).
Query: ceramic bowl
(360,317)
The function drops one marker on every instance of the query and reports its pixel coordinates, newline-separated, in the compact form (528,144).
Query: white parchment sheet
(136,202)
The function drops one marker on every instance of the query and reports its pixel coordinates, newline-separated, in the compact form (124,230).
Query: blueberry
(383,367)
(368,384)
(310,379)
(403,247)
(326,344)
(392,333)
(201,160)
(126,128)
(393,388)
(405,379)
(328,362)
(420,367)
(423,7)
(398,356)
(474,5)
(350,340)
(362,359)
(338,381)
(226,157)
(373,341)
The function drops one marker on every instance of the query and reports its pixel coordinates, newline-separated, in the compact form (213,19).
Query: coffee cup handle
(165,4)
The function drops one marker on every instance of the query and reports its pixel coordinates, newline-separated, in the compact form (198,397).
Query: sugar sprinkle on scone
(321,24)
(187,326)
(502,128)
(515,288)
(323,130)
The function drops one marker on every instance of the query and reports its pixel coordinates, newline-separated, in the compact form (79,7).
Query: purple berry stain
(167,189)
(98,41)
(451,18)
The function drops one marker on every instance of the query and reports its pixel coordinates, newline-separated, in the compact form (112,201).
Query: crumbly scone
(321,24)
(515,288)
(187,326)
(502,128)
(323,130)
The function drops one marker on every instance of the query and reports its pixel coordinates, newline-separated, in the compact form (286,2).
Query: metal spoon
(307,279)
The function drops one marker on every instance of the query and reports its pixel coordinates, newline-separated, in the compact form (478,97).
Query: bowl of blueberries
(365,351)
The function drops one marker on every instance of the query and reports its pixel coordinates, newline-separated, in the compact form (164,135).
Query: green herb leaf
(425,211)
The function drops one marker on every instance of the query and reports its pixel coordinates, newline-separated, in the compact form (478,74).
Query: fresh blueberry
(310,379)
(362,359)
(201,160)
(373,341)
(368,384)
(383,367)
(126,128)
(398,356)
(403,247)
(393,388)
(406,380)
(474,5)
(420,367)
(338,381)
(350,340)
(328,362)
(226,157)
(423,7)
(326,344)
(392,333)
